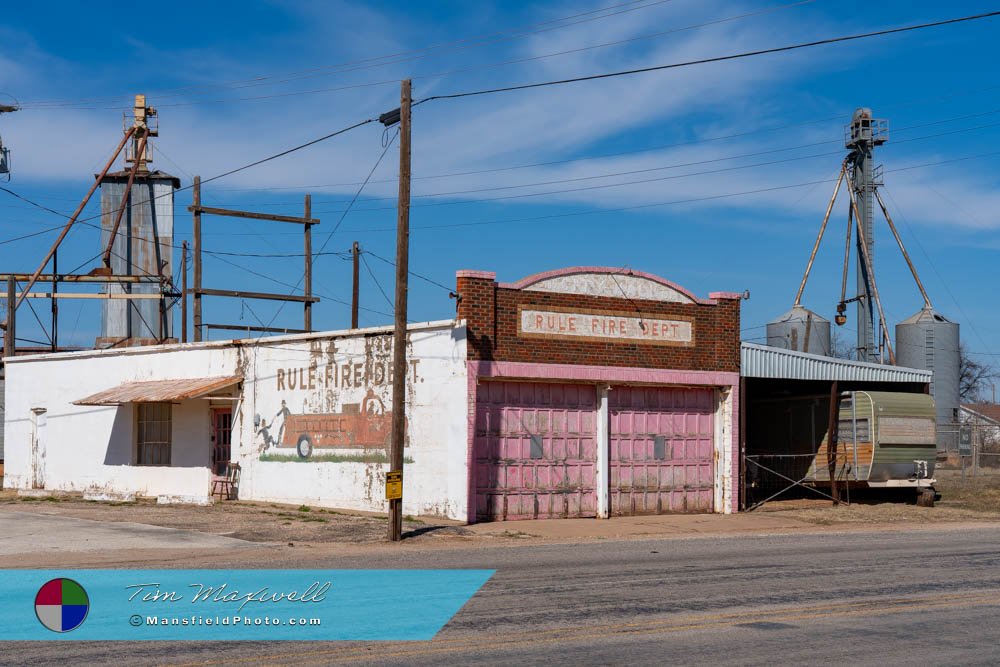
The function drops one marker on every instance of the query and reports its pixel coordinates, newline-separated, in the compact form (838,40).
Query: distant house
(984,418)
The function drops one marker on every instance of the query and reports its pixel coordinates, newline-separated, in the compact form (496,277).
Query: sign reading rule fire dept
(394,485)
(605,326)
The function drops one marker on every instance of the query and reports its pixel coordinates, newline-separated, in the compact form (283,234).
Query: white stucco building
(581,392)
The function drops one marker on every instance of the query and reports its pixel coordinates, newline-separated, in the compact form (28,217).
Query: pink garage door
(661,457)
(535,450)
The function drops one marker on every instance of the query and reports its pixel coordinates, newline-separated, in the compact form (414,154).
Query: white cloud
(491,131)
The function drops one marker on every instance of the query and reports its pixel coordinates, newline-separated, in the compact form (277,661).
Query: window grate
(153,435)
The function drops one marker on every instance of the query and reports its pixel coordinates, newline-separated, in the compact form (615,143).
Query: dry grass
(962,500)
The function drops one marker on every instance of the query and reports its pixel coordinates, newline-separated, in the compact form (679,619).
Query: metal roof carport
(775,374)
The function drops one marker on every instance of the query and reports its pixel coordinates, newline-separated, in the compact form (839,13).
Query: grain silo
(930,341)
(801,330)
(137,210)
(143,247)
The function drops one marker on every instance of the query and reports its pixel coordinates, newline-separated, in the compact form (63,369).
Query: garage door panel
(679,476)
(544,458)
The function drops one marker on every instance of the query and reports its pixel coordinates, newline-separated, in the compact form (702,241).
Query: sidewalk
(663,525)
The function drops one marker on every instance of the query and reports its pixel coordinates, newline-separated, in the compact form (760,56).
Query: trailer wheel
(926,497)
(304,446)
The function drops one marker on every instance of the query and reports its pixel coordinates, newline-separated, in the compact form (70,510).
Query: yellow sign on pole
(394,485)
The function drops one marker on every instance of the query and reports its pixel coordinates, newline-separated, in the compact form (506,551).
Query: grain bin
(144,243)
(800,330)
(930,341)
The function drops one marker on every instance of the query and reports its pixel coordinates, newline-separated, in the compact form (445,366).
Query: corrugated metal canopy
(763,361)
(159,391)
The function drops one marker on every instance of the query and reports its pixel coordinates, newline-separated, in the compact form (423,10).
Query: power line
(412,273)
(347,210)
(931,262)
(293,287)
(390,59)
(269,158)
(652,180)
(377,283)
(635,151)
(689,200)
(704,61)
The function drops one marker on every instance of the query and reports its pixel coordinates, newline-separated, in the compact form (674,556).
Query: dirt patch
(254,522)
(962,500)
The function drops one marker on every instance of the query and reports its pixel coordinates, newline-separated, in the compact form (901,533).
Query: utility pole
(307,277)
(5,152)
(196,256)
(55,302)
(184,292)
(399,338)
(356,257)
(9,334)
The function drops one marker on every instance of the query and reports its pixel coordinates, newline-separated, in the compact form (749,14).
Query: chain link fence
(972,446)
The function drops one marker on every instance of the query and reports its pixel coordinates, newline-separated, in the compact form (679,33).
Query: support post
(866,258)
(399,338)
(55,301)
(184,292)
(355,291)
(9,334)
(831,441)
(196,256)
(125,202)
(902,249)
(72,219)
(819,239)
(307,281)
(603,452)
(743,443)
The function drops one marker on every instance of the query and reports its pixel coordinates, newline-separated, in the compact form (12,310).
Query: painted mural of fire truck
(363,425)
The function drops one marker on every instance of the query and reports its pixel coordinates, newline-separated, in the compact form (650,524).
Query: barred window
(153,436)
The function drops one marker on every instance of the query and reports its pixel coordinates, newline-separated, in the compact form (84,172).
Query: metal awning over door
(160,391)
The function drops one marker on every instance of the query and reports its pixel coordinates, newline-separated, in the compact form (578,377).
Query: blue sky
(236,81)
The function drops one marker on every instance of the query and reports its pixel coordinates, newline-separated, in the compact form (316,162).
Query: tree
(975,378)
(841,347)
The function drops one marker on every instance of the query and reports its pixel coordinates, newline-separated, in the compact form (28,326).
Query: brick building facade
(598,391)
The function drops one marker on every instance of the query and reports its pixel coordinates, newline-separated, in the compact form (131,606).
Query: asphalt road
(925,597)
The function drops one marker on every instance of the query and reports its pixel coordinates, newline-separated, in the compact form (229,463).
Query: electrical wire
(464,70)
(390,59)
(689,200)
(377,283)
(171,193)
(676,165)
(715,59)
(944,283)
(412,273)
(388,144)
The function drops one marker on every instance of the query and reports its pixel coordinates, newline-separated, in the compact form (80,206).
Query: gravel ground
(254,522)
(962,500)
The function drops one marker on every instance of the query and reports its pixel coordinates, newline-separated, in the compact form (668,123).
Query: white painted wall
(91,449)
(342,371)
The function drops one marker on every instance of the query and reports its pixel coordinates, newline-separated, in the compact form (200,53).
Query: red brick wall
(491,313)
